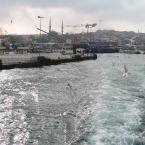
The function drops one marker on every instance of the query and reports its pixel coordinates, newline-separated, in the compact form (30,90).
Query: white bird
(69,85)
(125,71)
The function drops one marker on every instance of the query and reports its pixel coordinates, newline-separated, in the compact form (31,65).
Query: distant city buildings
(102,41)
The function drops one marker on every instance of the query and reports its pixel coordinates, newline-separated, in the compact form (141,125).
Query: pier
(39,60)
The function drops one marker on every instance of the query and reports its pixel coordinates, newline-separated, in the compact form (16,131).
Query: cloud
(117,14)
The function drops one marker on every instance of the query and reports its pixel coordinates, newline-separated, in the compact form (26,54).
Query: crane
(90,26)
(89,30)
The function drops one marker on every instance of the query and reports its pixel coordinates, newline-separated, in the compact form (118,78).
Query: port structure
(89,28)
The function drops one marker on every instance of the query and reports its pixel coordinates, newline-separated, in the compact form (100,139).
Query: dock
(39,60)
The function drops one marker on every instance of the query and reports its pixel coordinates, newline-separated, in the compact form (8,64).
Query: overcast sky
(109,14)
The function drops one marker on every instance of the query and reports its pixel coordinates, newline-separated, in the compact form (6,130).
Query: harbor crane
(89,30)
(87,26)
(90,26)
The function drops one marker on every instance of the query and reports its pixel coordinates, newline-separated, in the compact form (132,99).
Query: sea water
(82,103)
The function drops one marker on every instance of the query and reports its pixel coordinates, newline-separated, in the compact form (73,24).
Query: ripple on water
(102,108)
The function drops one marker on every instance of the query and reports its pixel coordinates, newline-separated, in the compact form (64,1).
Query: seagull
(125,71)
(69,85)
(70,112)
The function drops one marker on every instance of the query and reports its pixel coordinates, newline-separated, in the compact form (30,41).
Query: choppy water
(100,107)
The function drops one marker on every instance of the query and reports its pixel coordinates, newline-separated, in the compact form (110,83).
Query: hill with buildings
(123,39)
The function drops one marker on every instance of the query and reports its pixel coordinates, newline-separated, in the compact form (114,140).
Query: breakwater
(43,60)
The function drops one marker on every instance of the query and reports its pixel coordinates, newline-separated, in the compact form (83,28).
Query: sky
(21,16)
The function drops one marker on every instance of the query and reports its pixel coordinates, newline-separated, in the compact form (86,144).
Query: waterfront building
(3,50)
(22,50)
